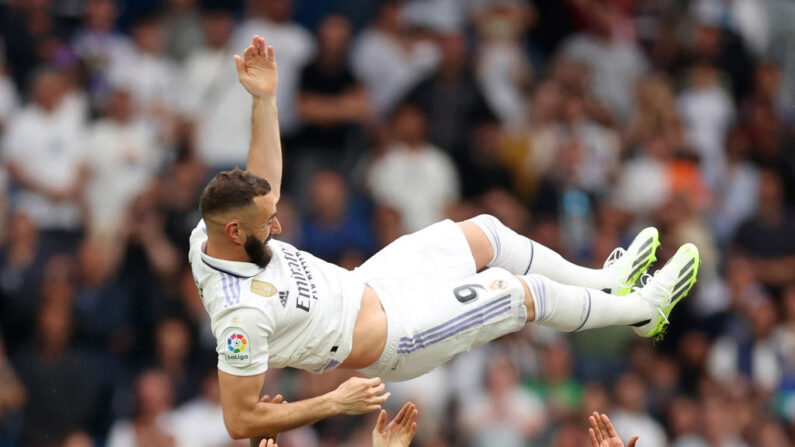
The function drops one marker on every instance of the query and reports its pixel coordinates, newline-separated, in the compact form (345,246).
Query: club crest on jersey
(237,351)
(498,284)
(263,288)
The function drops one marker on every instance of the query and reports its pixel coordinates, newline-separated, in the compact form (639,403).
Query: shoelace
(615,255)
(660,296)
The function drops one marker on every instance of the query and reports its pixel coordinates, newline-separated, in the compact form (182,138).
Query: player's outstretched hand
(357,395)
(400,430)
(256,70)
(603,434)
(268,443)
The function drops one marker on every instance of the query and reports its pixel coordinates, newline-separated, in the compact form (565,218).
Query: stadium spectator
(199,421)
(294,44)
(151,425)
(506,414)
(415,177)
(390,59)
(13,395)
(451,98)
(45,141)
(331,229)
(58,377)
(180,21)
(99,46)
(219,125)
(631,416)
(122,156)
(331,103)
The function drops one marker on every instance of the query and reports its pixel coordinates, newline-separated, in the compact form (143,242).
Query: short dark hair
(231,189)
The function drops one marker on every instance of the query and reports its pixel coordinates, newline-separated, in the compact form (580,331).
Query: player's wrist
(333,402)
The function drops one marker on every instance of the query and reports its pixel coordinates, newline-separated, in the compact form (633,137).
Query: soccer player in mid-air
(414,305)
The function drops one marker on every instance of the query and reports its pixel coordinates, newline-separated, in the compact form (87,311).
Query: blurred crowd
(576,122)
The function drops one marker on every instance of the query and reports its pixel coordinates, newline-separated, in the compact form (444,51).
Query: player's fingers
(265,398)
(250,52)
(373,407)
(610,430)
(378,389)
(382,398)
(260,45)
(632,441)
(379,424)
(401,414)
(271,53)
(602,429)
(278,399)
(592,436)
(374,381)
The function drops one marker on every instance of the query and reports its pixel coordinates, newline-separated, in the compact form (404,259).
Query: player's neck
(225,251)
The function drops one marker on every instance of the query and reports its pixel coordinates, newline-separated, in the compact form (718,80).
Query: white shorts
(435,303)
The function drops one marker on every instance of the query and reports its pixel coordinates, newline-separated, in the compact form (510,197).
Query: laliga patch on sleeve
(237,349)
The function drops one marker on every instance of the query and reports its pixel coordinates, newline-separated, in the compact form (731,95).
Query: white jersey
(299,311)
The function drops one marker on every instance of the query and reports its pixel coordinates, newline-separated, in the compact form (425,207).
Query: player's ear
(235,232)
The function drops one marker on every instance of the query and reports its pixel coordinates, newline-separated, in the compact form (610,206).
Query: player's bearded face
(258,252)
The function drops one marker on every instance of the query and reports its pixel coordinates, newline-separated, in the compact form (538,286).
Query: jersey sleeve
(242,341)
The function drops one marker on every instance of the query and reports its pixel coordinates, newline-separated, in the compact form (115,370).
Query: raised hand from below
(400,430)
(603,434)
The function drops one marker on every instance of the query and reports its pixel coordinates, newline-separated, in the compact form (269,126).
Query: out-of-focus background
(576,122)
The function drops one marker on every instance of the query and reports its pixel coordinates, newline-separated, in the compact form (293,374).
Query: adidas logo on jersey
(283,295)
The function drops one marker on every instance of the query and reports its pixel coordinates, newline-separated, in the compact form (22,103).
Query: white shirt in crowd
(151,78)
(122,432)
(707,113)
(8,99)
(628,424)
(420,183)
(200,423)
(614,66)
(388,68)
(219,107)
(122,159)
(46,146)
(294,48)
(505,425)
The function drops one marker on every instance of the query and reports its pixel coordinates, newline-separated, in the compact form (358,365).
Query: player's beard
(258,252)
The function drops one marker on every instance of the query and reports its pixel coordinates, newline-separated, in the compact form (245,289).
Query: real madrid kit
(300,311)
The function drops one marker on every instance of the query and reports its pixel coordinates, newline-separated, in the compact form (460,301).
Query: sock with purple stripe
(570,308)
(520,256)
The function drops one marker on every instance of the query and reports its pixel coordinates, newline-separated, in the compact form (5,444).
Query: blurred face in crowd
(763,318)
(100,14)
(683,416)
(172,341)
(120,106)
(328,196)
(278,10)
(502,376)
(153,394)
(218,26)
(629,393)
(333,34)
(148,37)
(454,53)
(409,125)
(48,90)
(95,265)
(55,326)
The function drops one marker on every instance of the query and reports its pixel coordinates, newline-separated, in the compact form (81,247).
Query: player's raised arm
(256,70)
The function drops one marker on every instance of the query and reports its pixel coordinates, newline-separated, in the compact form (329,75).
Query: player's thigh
(479,245)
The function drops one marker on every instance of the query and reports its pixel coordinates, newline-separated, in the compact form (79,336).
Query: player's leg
(571,308)
(495,245)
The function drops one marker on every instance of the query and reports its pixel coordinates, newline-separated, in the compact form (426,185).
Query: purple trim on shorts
(478,319)
(483,310)
(453,320)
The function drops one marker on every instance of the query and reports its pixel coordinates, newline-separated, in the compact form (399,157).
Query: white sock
(570,309)
(520,256)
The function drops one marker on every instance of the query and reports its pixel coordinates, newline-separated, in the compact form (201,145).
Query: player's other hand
(256,70)
(357,395)
(269,440)
(268,443)
(603,434)
(400,430)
